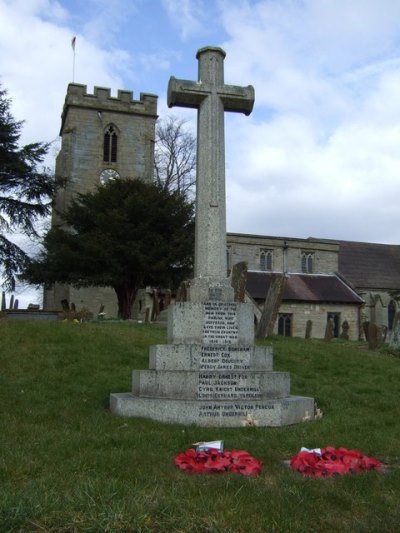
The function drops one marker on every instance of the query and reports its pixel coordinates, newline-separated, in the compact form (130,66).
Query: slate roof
(303,287)
(369,265)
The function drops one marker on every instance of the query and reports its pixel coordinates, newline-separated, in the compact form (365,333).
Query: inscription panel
(240,409)
(220,323)
(228,357)
(228,386)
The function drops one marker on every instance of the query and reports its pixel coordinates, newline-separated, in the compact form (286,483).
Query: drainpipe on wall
(285,249)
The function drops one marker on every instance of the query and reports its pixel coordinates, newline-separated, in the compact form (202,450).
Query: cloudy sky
(320,154)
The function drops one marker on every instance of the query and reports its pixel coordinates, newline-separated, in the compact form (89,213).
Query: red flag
(73,43)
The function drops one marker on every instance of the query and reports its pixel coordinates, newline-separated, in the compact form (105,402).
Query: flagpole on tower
(73,60)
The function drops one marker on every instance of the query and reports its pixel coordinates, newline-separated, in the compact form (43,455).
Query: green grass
(68,465)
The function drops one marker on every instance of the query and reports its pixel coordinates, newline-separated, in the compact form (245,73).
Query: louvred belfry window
(110,145)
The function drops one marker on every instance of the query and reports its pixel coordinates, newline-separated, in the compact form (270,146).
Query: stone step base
(210,413)
(219,385)
(205,357)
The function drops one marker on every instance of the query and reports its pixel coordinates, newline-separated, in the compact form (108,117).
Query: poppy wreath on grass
(330,461)
(213,461)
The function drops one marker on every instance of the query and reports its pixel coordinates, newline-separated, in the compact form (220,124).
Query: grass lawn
(68,465)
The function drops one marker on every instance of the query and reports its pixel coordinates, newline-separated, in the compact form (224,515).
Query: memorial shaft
(212,98)
(210,372)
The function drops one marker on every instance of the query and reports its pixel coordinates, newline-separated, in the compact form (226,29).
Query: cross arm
(237,99)
(185,93)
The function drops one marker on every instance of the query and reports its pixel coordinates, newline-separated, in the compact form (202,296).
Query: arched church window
(285,324)
(307,259)
(265,260)
(110,145)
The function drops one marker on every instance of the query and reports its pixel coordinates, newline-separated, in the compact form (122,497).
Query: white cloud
(320,154)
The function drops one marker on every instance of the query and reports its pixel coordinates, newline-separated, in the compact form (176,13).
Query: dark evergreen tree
(124,235)
(25,191)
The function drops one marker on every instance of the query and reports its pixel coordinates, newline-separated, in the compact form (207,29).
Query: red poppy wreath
(213,461)
(330,461)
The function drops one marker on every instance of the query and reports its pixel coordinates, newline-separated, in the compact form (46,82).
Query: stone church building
(106,137)
(347,282)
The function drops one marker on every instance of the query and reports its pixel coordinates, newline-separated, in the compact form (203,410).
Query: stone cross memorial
(210,373)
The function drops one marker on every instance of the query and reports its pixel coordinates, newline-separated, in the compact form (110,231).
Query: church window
(335,318)
(285,324)
(266,260)
(110,145)
(307,260)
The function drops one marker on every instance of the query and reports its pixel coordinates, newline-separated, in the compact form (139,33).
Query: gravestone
(395,334)
(238,281)
(373,336)
(270,311)
(210,373)
(329,330)
(345,331)
(365,329)
(308,329)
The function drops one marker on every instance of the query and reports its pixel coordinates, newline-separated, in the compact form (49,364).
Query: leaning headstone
(238,281)
(11,305)
(210,373)
(308,329)
(272,303)
(329,330)
(3,301)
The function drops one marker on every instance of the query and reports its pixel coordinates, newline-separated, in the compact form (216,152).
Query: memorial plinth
(210,373)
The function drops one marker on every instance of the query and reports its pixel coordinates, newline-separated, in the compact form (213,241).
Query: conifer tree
(25,191)
(125,235)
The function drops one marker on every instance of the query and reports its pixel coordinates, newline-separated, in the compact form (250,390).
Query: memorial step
(211,385)
(210,357)
(209,413)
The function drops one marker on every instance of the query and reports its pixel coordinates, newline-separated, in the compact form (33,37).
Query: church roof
(370,265)
(303,287)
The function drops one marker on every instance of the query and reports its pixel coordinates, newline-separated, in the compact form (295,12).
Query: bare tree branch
(175,157)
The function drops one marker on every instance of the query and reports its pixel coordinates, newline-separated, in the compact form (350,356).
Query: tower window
(266,260)
(110,145)
(307,260)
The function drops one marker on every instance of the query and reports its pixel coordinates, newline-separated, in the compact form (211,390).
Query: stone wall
(249,248)
(317,313)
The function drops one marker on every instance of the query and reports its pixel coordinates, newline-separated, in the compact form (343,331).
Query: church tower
(102,138)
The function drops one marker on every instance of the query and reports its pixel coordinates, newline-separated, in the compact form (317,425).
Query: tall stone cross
(212,97)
